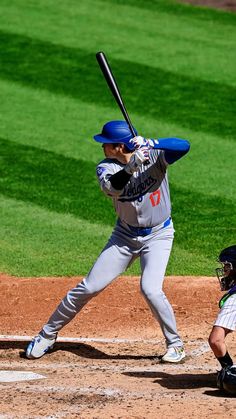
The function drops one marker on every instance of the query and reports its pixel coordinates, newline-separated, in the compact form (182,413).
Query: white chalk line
(101,391)
(16,338)
(196,352)
(110,392)
(117,368)
(201,350)
(204,347)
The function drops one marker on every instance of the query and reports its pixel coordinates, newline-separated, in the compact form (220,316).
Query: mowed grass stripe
(36,241)
(46,227)
(60,184)
(67,71)
(178,8)
(69,186)
(182,44)
(65,126)
(52,122)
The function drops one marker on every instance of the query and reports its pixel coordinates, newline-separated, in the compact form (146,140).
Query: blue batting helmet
(116,132)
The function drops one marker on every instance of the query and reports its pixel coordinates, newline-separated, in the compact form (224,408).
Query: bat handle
(110,79)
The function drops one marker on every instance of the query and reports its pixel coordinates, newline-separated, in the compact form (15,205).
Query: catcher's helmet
(227,273)
(116,132)
(226,379)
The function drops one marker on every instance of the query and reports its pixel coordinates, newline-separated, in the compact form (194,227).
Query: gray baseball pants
(121,250)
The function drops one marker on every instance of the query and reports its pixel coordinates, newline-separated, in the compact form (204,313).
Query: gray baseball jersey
(145,200)
(227,315)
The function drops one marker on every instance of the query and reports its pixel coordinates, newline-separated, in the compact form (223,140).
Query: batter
(134,176)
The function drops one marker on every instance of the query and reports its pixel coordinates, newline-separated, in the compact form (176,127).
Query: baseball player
(134,176)
(226,320)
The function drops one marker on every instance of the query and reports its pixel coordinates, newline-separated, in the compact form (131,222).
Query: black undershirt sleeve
(120,179)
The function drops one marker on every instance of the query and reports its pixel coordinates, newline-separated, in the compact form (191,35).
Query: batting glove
(139,141)
(138,158)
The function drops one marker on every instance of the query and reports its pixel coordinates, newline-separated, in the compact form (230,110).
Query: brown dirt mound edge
(119,310)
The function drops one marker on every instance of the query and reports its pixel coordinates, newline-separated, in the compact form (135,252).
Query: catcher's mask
(226,380)
(116,132)
(226,274)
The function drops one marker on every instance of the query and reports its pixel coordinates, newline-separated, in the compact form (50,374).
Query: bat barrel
(110,79)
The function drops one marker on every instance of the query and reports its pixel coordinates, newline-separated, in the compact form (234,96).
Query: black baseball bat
(111,81)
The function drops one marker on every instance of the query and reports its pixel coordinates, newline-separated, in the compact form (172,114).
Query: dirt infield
(113,370)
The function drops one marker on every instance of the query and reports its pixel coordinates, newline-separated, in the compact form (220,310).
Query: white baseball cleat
(39,346)
(174,354)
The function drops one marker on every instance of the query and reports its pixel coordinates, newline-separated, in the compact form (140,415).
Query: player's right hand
(139,157)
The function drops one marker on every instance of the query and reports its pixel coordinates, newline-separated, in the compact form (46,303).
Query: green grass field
(176,68)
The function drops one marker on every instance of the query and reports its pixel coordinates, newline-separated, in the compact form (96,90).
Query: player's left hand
(139,141)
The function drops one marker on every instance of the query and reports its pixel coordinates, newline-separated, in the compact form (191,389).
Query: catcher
(226,320)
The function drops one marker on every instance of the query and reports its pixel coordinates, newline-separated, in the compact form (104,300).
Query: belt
(144,231)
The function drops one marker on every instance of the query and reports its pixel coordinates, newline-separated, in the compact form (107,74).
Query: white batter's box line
(111,392)
(201,350)
(17,338)
(117,368)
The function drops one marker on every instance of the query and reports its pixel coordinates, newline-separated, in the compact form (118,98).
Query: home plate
(11,376)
